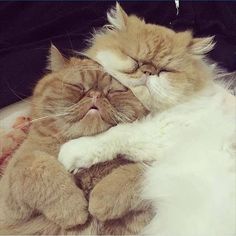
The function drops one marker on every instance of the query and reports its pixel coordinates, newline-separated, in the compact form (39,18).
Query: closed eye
(112,91)
(163,71)
(79,87)
(166,70)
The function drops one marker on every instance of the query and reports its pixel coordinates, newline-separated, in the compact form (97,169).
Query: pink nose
(94,94)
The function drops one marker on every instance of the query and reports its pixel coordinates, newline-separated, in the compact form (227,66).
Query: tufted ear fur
(117,17)
(55,59)
(201,46)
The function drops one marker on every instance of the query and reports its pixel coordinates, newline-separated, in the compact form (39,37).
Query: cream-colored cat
(189,137)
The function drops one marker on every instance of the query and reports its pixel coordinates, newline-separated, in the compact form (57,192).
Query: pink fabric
(10,140)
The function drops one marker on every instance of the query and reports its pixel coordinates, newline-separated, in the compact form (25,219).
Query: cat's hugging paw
(78,153)
(69,211)
(106,205)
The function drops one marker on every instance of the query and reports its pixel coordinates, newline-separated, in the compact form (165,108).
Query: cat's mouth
(93,108)
(98,112)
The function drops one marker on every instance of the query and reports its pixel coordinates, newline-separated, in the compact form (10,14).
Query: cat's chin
(92,116)
(92,123)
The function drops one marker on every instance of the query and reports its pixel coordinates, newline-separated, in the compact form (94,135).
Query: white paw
(68,155)
(77,154)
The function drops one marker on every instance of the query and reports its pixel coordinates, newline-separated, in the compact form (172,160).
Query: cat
(37,195)
(187,142)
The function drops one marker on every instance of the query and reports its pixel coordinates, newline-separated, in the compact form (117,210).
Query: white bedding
(9,114)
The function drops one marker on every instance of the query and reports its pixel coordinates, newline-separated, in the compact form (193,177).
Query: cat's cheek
(151,82)
(159,86)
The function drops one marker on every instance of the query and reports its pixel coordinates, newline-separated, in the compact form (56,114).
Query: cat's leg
(133,140)
(118,193)
(38,182)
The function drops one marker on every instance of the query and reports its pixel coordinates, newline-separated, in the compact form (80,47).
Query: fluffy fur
(37,195)
(188,138)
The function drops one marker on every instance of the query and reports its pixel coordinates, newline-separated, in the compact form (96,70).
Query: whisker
(27,101)
(8,86)
(49,116)
(68,35)
(79,104)
(41,118)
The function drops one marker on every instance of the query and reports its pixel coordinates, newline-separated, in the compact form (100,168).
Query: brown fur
(37,195)
(137,48)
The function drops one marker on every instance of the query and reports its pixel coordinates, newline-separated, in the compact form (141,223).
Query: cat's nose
(94,94)
(148,69)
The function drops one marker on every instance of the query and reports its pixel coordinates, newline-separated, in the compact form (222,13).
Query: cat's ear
(55,59)
(117,17)
(201,46)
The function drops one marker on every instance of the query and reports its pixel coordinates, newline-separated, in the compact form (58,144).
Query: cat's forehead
(149,42)
(90,78)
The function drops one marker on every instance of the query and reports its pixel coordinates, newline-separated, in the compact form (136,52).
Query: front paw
(76,154)
(104,204)
(68,212)
(68,155)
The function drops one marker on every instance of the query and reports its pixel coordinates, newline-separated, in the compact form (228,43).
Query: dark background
(28,28)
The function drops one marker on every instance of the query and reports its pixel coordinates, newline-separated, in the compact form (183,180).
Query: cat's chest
(194,135)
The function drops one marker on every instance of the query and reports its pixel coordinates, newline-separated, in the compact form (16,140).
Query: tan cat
(37,195)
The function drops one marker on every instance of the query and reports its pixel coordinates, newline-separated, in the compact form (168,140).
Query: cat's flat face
(81,99)
(168,63)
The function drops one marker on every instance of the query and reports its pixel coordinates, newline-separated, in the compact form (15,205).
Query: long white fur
(192,183)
